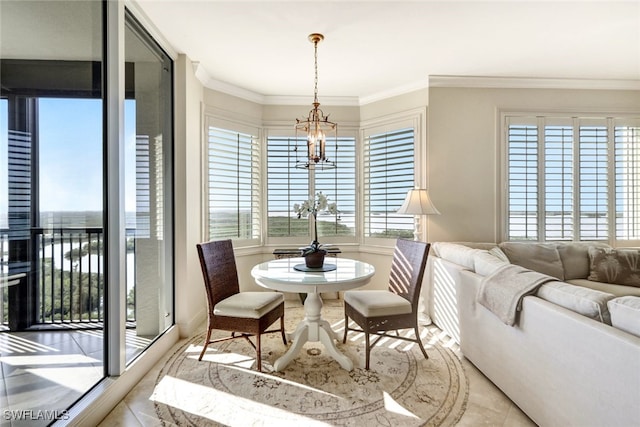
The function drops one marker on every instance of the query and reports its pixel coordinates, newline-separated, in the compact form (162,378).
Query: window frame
(579,120)
(276,131)
(416,119)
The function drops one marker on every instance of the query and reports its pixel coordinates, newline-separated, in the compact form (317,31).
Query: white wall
(463,158)
(190,298)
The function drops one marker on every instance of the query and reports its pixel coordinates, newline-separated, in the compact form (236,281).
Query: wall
(190,299)
(463,157)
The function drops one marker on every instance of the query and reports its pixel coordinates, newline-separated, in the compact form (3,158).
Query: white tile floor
(50,370)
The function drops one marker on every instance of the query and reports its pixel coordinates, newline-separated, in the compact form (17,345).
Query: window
(287,185)
(572,178)
(388,175)
(233,192)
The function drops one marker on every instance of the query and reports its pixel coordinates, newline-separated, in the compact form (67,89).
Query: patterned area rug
(401,389)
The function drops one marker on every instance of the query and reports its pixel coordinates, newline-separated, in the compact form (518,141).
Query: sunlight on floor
(392,406)
(39,360)
(76,378)
(14,344)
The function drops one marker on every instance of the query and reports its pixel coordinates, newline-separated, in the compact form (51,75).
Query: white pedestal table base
(313,329)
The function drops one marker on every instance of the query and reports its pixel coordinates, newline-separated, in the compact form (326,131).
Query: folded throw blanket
(502,291)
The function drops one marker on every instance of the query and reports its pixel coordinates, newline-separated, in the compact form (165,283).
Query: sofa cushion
(625,314)
(485,263)
(612,288)
(541,257)
(575,258)
(456,253)
(620,266)
(588,302)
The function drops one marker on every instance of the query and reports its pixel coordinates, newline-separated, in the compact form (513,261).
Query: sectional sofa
(571,356)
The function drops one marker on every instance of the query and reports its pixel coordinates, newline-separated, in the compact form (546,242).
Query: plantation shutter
(339,185)
(584,171)
(558,180)
(388,176)
(522,186)
(627,179)
(286,186)
(233,184)
(594,182)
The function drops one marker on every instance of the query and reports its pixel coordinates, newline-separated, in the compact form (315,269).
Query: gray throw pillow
(541,257)
(619,266)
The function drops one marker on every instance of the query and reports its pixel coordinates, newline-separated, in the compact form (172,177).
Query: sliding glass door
(148,185)
(56,239)
(52,282)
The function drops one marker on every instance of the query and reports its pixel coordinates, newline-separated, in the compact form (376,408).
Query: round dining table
(291,275)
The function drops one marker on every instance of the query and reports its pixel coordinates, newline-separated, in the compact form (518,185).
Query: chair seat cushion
(377,303)
(252,305)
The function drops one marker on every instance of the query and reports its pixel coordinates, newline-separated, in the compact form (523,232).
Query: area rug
(402,388)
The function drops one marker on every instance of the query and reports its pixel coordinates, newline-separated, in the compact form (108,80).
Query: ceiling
(373,48)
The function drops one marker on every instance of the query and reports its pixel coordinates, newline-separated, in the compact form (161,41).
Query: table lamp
(418,203)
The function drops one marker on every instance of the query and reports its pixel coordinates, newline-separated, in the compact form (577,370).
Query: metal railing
(68,275)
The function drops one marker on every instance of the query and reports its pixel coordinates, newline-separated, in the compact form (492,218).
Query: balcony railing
(68,275)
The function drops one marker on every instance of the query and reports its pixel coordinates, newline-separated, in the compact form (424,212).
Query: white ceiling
(382,47)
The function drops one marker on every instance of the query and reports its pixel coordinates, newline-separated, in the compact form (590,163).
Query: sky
(71,155)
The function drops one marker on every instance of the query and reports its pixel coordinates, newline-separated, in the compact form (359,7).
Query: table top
(280,275)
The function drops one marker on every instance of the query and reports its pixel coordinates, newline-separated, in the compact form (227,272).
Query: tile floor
(487,405)
(50,370)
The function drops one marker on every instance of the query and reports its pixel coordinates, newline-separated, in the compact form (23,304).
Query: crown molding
(335,101)
(432,81)
(228,88)
(531,83)
(390,93)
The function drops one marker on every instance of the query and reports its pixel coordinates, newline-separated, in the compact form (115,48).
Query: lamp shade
(418,203)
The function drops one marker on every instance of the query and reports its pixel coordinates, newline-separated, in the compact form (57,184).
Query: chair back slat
(407,269)
(219,270)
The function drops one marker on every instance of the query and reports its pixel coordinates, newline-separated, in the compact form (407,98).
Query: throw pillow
(619,266)
(484,263)
(456,253)
(575,258)
(541,257)
(497,252)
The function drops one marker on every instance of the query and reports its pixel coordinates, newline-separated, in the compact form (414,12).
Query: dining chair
(244,313)
(379,311)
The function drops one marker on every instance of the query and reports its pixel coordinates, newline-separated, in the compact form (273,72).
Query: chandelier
(316,126)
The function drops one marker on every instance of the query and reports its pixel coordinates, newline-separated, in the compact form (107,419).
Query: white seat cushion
(625,314)
(252,305)
(377,303)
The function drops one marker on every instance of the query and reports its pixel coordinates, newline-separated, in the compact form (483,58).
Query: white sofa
(561,367)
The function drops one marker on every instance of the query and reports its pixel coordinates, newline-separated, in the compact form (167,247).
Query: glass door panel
(51,207)
(148,185)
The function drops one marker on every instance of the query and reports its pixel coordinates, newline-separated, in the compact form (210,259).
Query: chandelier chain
(315,82)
